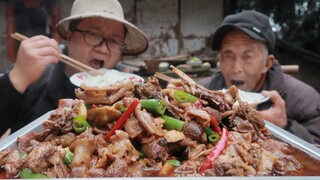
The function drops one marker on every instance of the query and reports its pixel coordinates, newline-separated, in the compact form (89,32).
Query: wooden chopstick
(6,134)
(66,59)
(167,78)
(163,77)
(317,145)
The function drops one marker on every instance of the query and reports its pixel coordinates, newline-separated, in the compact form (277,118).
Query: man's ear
(269,62)
(68,35)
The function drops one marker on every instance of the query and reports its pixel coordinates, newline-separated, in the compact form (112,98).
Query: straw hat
(135,39)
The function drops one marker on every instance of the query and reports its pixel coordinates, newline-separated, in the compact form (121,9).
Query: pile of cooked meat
(195,132)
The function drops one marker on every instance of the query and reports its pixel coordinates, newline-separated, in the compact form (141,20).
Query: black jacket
(302,101)
(17,110)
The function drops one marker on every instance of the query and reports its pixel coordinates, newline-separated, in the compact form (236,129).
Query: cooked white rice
(110,76)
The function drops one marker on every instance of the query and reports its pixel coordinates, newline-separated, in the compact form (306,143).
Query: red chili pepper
(123,118)
(93,106)
(215,125)
(217,150)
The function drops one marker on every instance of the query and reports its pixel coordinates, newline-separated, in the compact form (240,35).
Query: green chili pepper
(123,110)
(182,96)
(67,159)
(26,173)
(157,106)
(80,124)
(23,155)
(171,123)
(174,162)
(141,155)
(212,136)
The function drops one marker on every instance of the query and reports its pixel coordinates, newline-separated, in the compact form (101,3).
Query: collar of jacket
(217,81)
(275,80)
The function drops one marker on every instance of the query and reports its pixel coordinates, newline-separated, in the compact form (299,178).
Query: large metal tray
(36,126)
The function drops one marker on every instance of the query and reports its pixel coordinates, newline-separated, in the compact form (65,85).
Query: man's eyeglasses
(94,39)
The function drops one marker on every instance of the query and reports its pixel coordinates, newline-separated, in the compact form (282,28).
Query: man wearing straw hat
(96,34)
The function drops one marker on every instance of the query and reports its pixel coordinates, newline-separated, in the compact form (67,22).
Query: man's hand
(277,112)
(34,55)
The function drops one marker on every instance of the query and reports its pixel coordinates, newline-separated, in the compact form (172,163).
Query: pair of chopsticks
(65,59)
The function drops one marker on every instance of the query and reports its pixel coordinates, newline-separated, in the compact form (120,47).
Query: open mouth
(237,82)
(96,63)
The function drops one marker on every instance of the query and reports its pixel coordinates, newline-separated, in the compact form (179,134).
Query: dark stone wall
(309,72)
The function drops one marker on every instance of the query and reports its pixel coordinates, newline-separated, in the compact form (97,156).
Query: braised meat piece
(12,162)
(60,121)
(37,159)
(104,95)
(122,147)
(156,150)
(119,168)
(193,130)
(27,142)
(149,90)
(101,116)
(83,147)
(146,120)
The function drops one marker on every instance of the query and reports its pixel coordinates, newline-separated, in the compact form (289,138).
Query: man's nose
(103,47)
(237,66)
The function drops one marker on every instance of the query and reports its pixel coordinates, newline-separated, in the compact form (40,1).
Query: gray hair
(265,53)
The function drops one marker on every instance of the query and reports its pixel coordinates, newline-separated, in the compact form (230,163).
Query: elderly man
(246,44)
(96,34)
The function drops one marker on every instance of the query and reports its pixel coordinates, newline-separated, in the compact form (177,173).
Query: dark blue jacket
(17,110)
